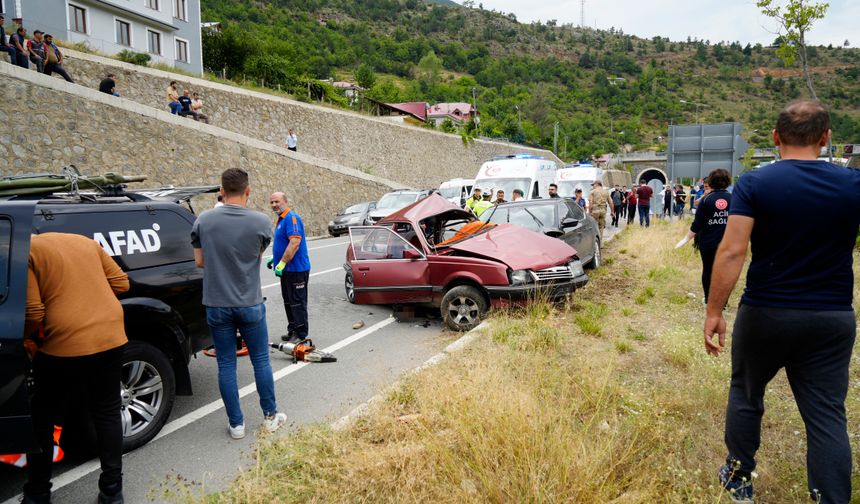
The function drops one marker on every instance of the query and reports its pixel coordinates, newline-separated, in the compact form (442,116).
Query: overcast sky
(712,20)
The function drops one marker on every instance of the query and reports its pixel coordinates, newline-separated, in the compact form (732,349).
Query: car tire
(463,307)
(597,258)
(349,287)
(148,391)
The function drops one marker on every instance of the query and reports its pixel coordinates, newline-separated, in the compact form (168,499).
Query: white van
(457,190)
(530,173)
(573,177)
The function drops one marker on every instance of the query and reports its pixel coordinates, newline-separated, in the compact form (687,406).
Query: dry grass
(605,400)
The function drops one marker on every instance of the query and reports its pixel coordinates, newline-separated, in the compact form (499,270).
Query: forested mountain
(606,89)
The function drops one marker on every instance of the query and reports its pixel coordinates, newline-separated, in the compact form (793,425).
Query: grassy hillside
(606,89)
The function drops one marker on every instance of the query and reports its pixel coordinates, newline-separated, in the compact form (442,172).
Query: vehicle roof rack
(68,183)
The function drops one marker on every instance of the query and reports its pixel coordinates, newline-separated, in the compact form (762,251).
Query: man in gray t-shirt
(228,244)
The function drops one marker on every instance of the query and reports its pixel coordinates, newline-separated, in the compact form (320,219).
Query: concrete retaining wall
(410,155)
(49,123)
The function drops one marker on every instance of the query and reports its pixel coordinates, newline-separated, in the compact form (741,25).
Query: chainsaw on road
(304,351)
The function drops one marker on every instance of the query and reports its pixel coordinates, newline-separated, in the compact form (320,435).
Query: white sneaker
(274,422)
(237,432)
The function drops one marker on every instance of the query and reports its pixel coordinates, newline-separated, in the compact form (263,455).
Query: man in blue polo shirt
(292,264)
(796,310)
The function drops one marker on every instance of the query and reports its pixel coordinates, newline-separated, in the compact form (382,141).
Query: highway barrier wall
(410,155)
(50,123)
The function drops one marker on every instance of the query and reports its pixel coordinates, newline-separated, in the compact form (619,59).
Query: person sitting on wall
(197,107)
(18,40)
(108,85)
(54,59)
(173,98)
(5,46)
(185,103)
(36,47)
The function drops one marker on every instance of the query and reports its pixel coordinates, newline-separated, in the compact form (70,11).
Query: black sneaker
(290,338)
(112,499)
(740,488)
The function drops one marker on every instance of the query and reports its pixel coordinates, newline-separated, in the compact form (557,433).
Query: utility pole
(565,148)
(697,105)
(475,110)
(555,139)
(582,14)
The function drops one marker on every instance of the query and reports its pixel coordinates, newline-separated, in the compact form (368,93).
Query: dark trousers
(708,255)
(616,215)
(631,213)
(645,214)
(814,347)
(38,61)
(294,149)
(12,52)
(21,59)
(56,67)
(93,382)
(294,290)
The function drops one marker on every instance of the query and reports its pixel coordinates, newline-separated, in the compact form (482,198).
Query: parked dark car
(557,217)
(435,253)
(354,215)
(148,235)
(394,201)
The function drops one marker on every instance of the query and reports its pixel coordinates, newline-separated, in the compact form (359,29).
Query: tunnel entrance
(656,179)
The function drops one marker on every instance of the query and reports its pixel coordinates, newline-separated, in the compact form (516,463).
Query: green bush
(134,58)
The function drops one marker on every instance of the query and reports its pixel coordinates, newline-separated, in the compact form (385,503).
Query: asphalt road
(195,446)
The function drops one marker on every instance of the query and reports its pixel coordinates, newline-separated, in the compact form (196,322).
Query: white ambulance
(457,190)
(529,173)
(580,176)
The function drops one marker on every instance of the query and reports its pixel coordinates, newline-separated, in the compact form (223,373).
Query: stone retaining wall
(50,123)
(410,155)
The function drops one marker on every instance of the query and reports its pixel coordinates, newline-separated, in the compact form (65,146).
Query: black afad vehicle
(148,234)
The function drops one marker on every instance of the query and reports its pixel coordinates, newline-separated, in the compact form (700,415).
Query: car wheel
(463,308)
(596,259)
(148,388)
(349,287)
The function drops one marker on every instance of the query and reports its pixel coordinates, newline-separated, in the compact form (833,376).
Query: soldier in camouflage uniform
(598,203)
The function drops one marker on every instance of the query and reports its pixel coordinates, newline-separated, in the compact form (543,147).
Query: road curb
(458,345)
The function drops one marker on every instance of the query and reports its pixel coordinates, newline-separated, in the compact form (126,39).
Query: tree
(795,20)
(365,76)
(428,69)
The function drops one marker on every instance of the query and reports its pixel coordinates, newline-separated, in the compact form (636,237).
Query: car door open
(386,268)
(15,425)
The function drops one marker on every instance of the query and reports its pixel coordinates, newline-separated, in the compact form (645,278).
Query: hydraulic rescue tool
(304,351)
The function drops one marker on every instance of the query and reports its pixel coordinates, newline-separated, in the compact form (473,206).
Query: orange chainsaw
(304,351)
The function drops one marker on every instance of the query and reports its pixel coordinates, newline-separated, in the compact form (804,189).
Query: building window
(152,4)
(77,19)
(153,42)
(123,33)
(180,9)
(181,50)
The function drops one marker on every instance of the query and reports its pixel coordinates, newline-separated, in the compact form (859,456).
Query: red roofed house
(458,113)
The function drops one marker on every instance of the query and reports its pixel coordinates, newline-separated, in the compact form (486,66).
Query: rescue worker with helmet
(598,203)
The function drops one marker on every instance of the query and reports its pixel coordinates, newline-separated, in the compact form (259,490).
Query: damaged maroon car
(435,253)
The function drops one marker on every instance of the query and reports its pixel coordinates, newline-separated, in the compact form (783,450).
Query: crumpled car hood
(517,247)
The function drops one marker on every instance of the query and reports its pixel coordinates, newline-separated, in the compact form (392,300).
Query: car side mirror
(412,254)
(569,222)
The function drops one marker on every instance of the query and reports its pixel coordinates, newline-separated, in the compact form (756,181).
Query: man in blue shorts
(290,250)
(796,310)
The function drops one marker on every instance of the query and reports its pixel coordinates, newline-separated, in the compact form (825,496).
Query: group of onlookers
(40,50)
(187,105)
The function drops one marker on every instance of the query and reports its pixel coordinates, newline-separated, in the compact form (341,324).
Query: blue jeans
(679,209)
(175,107)
(251,324)
(645,214)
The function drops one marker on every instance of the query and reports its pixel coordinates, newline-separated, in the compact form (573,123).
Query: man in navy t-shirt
(290,250)
(796,310)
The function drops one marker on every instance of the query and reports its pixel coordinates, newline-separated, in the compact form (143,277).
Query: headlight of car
(522,277)
(331,223)
(576,268)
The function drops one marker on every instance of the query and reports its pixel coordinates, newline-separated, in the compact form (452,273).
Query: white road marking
(327,246)
(91,466)
(323,272)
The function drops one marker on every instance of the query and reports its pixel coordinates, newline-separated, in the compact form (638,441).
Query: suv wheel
(596,258)
(463,308)
(147,393)
(349,287)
